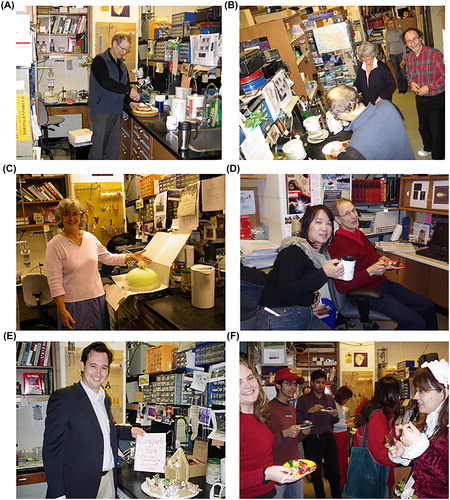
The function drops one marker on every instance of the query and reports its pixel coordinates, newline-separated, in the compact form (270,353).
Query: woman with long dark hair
(301,268)
(379,415)
(257,472)
(426,443)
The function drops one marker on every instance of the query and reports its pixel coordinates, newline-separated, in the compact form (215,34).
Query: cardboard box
(199,453)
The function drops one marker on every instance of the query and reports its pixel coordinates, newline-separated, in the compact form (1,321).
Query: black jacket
(73,444)
(381,83)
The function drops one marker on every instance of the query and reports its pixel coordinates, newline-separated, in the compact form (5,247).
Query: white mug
(220,487)
(171,122)
(349,267)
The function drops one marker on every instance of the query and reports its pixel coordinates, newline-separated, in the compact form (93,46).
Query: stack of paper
(258,253)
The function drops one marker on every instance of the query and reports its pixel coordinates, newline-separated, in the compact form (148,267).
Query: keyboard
(434,253)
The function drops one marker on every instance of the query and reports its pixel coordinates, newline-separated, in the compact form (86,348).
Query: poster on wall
(440,195)
(419,194)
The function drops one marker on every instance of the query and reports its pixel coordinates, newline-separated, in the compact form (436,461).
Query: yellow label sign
(22,117)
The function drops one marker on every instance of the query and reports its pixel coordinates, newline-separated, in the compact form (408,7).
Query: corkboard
(114,385)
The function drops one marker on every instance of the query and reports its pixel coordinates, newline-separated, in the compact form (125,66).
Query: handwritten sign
(150,453)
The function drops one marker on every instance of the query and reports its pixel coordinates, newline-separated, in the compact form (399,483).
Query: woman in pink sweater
(72,265)
(257,472)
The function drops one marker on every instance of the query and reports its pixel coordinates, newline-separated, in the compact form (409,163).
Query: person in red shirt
(379,414)
(258,473)
(425,74)
(410,310)
(287,434)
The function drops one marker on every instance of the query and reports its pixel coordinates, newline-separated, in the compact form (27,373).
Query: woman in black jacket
(301,268)
(374,80)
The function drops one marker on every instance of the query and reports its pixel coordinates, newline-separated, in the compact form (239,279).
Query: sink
(207,140)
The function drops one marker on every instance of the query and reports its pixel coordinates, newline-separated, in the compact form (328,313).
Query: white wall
(401,351)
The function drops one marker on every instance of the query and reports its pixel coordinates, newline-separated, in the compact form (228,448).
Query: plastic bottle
(52,46)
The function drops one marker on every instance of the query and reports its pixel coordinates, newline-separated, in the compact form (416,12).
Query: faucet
(205,117)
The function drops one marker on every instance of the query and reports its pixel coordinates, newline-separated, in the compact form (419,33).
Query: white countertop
(418,258)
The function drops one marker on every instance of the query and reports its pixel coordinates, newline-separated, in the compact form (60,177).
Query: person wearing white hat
(426,443)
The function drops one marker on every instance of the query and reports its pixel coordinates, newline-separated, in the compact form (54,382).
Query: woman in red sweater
(257,472)
(426,444)
(386,408)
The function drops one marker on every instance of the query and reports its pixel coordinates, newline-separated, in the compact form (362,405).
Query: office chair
(45,122)
(36,295)
(360,311)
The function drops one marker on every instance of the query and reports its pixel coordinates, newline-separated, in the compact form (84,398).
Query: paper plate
(302,466)
(183,494)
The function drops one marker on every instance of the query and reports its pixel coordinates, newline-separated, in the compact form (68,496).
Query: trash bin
(79,151)
(79,143)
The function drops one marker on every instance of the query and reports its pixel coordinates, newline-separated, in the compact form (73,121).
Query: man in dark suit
(80,439)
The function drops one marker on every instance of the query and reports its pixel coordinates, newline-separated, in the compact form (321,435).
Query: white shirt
(98,403)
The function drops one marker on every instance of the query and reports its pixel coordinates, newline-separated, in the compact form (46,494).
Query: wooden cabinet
(37,196)
(421,278)
(137,143)
(32,478)
(412,187)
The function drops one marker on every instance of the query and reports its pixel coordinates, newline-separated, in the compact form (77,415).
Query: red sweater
(379,427)
(283,416)
(347,243)
(255,449)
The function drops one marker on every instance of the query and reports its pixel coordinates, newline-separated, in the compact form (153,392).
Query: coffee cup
(349,267)
(171,122)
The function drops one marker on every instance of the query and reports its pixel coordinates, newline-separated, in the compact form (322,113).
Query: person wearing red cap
(286,433)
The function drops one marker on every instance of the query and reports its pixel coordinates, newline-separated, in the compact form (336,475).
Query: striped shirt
(427,68)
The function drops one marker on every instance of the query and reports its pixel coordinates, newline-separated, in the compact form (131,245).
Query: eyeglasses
(123,49)
(422,391)
(349,213)
(73,214)
(290,384)
(412,40)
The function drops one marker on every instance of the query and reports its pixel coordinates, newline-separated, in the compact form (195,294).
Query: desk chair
(36,295)
(45,122)
(361,311)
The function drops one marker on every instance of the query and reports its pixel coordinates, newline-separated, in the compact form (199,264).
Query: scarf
(317,258)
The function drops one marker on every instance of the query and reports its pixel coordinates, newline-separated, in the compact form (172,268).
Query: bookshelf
(35,368)
(318,356)
(37,197)
(67,27)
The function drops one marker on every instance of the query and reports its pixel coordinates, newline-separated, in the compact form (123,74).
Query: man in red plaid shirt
(425,72)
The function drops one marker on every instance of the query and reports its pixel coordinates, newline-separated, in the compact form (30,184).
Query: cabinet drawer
(33,478)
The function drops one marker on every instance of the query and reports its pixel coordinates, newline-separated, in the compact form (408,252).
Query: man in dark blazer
(80,439)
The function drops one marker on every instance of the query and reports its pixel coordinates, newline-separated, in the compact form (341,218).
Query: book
(33,383)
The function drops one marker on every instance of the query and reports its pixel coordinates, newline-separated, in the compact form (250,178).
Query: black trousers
(431,114)
(323,451)
(106,132)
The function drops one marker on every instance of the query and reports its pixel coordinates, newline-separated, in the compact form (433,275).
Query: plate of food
(307,424)
(328,410)
(333,148)
(301,467)
(158,487)
(391,264)
(144,110)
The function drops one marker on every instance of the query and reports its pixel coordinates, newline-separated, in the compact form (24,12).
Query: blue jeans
(290,490)
(400,73)
(285,318)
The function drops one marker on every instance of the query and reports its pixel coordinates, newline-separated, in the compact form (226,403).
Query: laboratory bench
(170,310)
(63,108)
(147,138)
(129,482)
